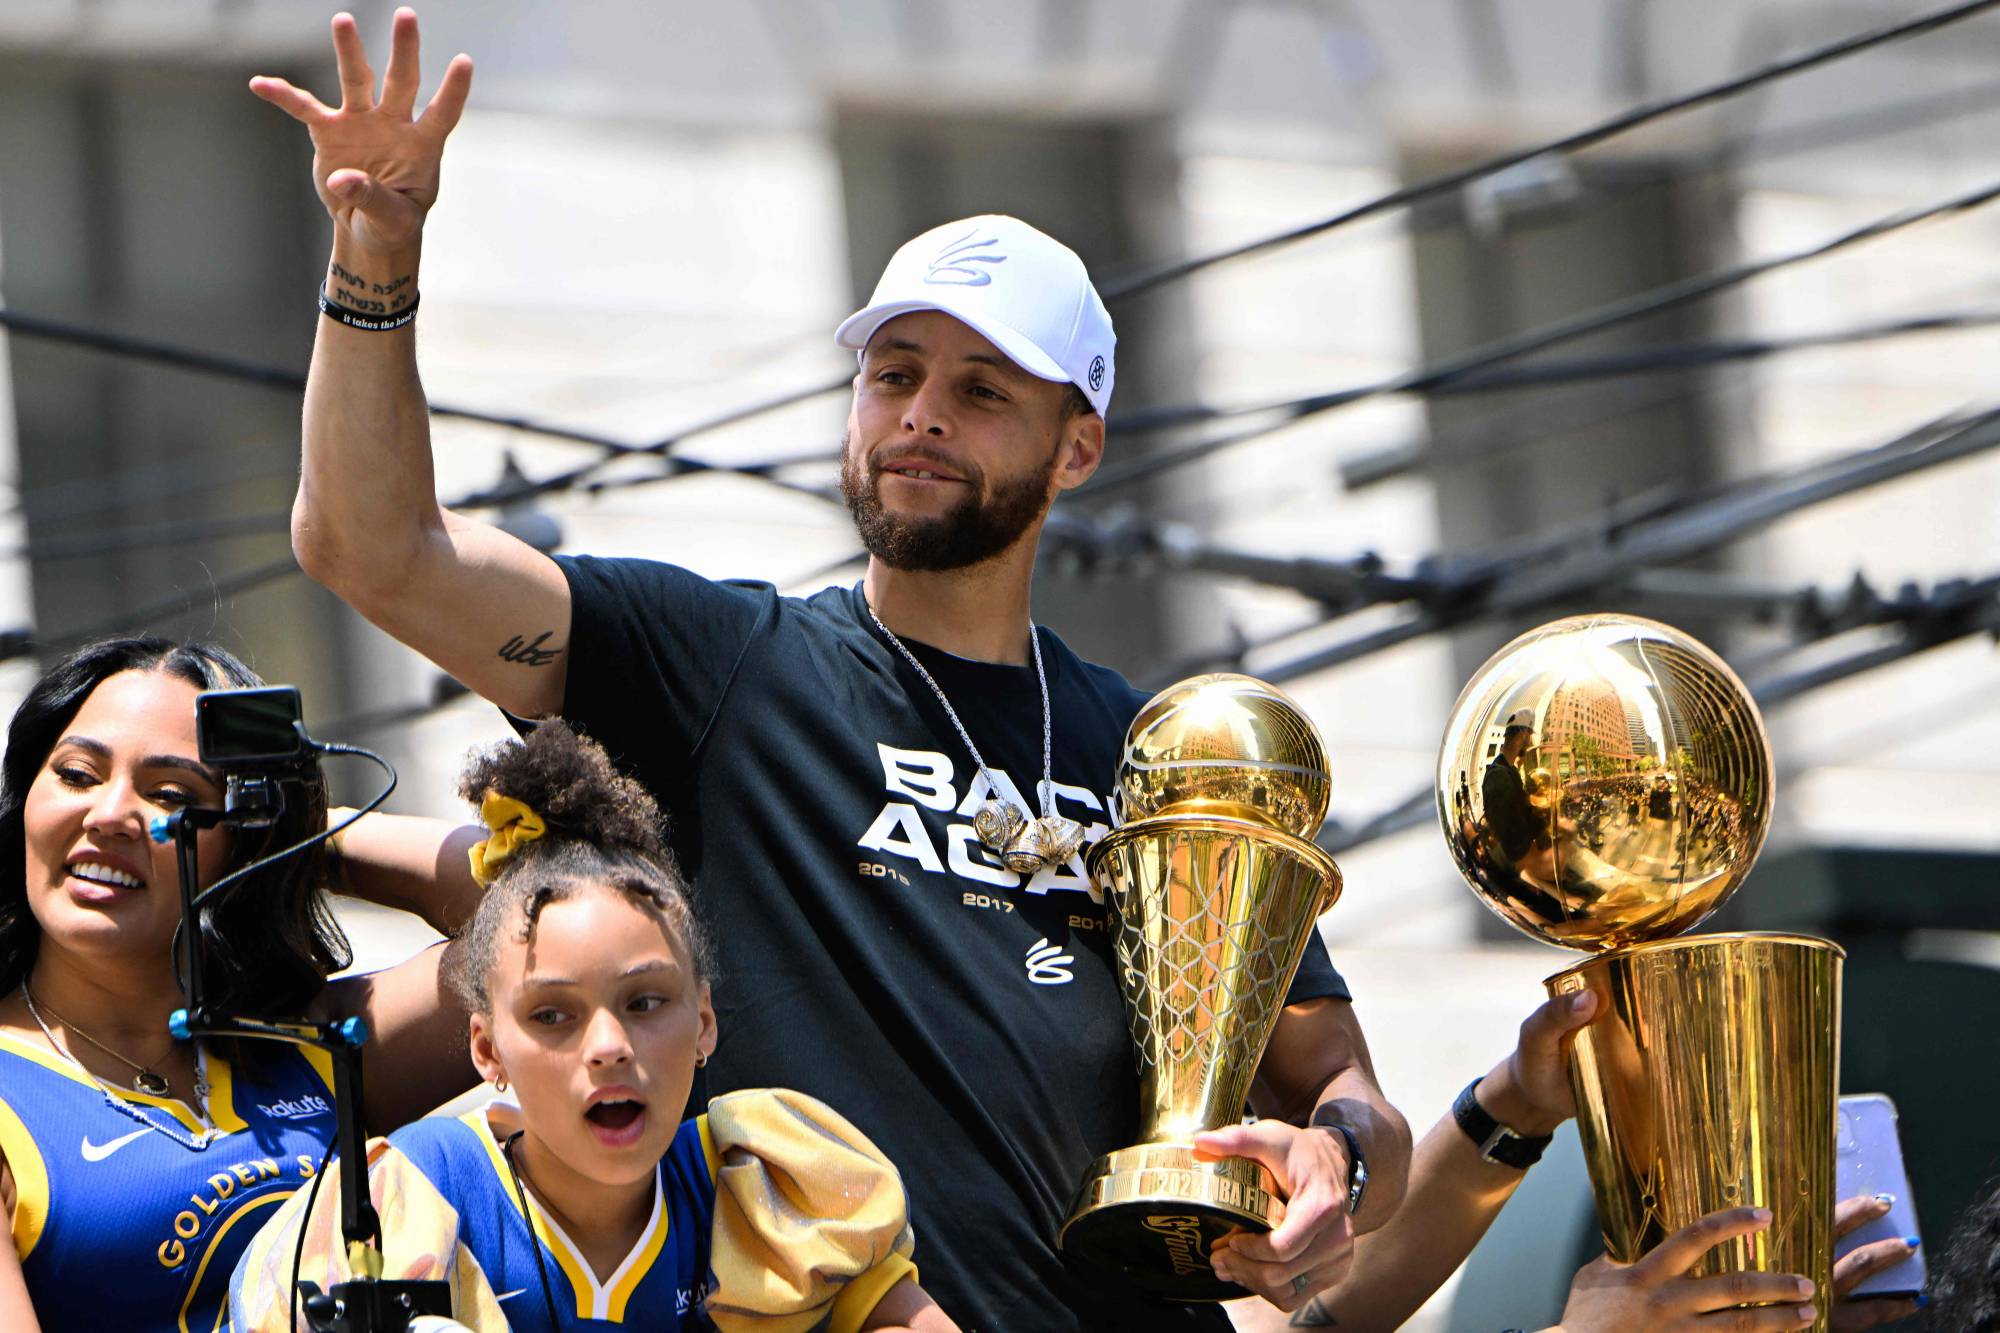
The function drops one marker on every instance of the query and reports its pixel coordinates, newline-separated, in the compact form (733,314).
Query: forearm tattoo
(532,654)
(373,298)
(1315,1313)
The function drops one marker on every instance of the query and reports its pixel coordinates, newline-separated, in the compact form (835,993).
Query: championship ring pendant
(998,823)
(153,1085)
(1048,841)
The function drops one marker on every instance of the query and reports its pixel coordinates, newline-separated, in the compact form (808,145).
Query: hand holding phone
(1868,1163)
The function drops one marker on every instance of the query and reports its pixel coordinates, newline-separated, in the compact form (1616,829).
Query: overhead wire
(1430,377)
(521,490)
(1147,279)
(1633,118)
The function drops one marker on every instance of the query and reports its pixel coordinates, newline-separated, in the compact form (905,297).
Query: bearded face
(991,515)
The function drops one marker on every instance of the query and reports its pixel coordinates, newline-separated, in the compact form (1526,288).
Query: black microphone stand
(366,1303)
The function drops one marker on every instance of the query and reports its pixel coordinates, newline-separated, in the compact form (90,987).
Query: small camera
(260,729)
(258,739)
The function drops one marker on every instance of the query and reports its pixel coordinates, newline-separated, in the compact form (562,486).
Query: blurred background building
(655,212)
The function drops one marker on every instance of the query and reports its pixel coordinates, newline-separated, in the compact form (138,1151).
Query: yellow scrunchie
(509,823)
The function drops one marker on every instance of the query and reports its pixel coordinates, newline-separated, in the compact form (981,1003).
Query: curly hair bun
(567,778)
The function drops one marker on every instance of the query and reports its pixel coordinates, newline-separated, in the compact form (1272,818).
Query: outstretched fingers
(357,80)
(297,103)
(448,102)
(399,81)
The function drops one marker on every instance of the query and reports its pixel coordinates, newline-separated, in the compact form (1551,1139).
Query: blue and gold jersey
(770,1213)
(123,1226)
(661,1278)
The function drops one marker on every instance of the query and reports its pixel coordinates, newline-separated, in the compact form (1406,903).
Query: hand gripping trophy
(1605,784)
(1215,891)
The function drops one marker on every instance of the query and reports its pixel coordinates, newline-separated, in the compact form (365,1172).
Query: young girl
(586,1201)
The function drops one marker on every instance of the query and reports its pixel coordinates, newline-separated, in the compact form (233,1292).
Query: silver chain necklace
(157,1086)
(1024,845)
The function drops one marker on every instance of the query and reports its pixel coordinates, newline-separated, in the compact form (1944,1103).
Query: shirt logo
(508,1295)
(97,1152)
(1048,965)
(296,1108)
(955,265)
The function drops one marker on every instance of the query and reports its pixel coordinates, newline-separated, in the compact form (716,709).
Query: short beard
(968,533)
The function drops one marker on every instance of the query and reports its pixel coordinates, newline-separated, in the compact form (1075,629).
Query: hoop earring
(700,1059)
(500,1084)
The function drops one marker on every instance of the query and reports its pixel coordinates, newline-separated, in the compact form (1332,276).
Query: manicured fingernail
(1912,1241)
(1578,1000)
(1760,1215)
(1886,1200)
(1806,1314)
(1805,1288)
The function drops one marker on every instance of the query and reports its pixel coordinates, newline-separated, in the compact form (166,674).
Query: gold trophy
(1215,891)
(1605,784)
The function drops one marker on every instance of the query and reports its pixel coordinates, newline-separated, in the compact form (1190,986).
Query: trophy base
(1151,1212)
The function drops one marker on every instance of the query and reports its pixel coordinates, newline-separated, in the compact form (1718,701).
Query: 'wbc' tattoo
(533,654)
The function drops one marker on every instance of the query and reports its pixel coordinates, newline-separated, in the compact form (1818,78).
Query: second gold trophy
(1215,890)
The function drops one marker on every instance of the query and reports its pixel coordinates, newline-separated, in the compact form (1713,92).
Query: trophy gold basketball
(1605,784)
(1215,890)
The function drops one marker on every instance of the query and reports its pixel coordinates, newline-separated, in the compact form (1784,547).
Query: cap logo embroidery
(956,264)
(1096,373)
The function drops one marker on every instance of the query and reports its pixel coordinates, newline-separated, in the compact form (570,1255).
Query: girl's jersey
(770,1213)
(128,1212)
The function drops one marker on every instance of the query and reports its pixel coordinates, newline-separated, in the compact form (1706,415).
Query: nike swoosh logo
(97,1152)
(509,1296)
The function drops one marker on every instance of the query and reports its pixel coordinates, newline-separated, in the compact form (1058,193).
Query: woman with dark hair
(134,1166)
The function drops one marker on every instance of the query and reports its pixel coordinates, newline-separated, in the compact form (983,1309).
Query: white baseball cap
(1025,292)
(1521,717)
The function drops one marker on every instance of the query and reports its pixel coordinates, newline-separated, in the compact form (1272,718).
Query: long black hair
(268,942)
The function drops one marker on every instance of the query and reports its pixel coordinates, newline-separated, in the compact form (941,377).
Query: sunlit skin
(595,1025)
(106,896)
(932,395)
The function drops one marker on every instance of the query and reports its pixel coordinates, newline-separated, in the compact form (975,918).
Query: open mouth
(615,1115)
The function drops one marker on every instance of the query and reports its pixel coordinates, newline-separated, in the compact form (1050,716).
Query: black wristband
(1497,1143)
(1357,1165)
(355,319)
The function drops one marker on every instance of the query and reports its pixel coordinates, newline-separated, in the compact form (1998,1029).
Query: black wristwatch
(1357,1165)
(1497,1143)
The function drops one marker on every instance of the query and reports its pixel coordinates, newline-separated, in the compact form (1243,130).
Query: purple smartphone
(1868,1159)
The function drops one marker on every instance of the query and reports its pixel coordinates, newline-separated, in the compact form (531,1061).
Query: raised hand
(375,165)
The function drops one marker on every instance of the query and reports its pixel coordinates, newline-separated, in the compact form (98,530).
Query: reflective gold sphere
(1225,745)
(1604,780)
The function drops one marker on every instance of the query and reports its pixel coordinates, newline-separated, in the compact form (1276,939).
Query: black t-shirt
(873,953)
(1508,813)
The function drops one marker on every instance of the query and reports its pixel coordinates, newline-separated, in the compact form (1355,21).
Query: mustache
(917,455)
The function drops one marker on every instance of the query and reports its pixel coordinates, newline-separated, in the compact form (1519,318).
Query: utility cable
(1147,279)
(1461,365)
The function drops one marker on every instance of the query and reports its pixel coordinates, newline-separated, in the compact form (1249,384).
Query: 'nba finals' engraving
(1182,1235)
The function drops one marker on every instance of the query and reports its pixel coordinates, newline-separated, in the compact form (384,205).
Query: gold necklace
(148,1081)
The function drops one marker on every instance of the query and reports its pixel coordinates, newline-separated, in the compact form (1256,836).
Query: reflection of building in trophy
(1584,732)
(1636,733)
(1709,724)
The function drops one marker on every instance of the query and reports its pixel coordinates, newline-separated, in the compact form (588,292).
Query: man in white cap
(881,792)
